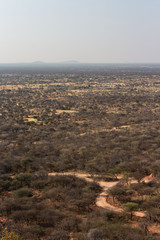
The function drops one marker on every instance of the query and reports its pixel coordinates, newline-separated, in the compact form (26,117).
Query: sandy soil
(65,111)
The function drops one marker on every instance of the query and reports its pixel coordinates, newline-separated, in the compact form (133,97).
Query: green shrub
(23,192)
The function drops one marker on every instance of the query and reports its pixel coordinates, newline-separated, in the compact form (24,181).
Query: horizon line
(77,62)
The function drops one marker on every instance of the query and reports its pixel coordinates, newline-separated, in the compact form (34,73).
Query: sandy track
(101,199)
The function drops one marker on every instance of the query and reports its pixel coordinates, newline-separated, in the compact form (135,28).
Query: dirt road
(101,199)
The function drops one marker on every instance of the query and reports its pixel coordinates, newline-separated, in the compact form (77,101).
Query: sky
(89,31)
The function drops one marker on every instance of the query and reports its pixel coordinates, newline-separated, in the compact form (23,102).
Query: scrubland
(105,123)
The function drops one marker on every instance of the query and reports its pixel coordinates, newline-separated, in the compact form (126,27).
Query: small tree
(116,191)
(115,171)
(126,176)
(25,163)
(131,207)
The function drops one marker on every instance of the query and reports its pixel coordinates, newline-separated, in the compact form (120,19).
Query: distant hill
(75,66)
(72,62)
(38,62)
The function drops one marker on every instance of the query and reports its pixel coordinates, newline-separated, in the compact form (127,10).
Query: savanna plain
(80,154)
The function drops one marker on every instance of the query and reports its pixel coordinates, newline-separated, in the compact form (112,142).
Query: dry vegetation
(101,122)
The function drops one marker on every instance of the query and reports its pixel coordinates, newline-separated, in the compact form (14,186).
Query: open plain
(101,121)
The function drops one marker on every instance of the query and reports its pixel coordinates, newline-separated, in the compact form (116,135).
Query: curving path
(101,199)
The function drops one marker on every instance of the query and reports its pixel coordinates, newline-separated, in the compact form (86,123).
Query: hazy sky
(83,30)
